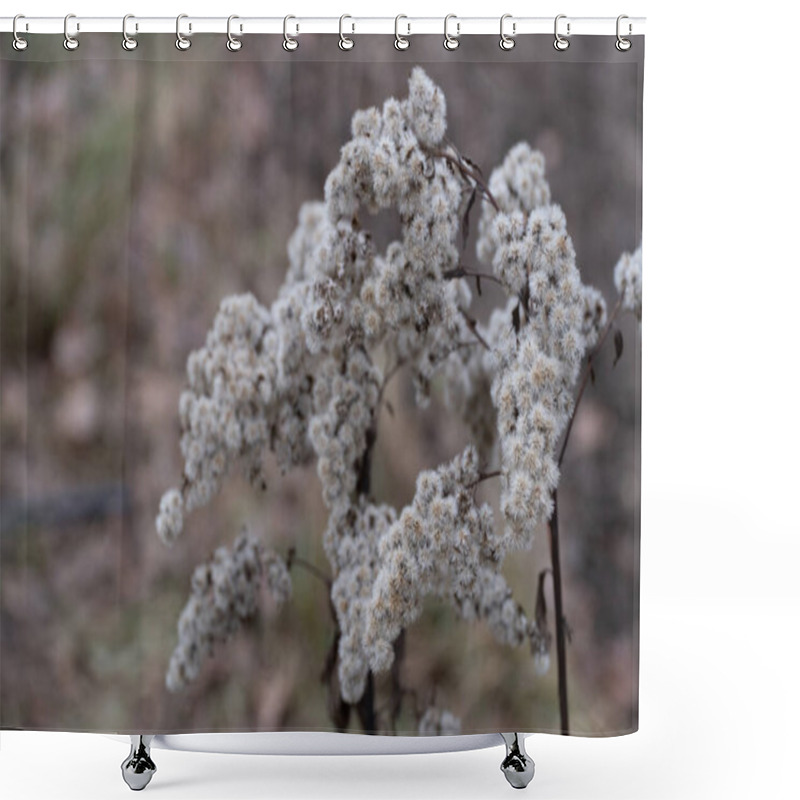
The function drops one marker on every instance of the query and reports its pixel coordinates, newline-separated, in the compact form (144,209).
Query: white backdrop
(720,604)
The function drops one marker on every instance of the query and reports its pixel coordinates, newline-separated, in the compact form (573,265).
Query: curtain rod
(350,25)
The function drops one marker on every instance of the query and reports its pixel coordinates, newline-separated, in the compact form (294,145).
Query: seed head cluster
(538,353)
(444,544)
(224,593)
(304,379)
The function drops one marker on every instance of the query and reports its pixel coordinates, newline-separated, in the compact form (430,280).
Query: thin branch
(365,707)
(338,709)
(462,272)
(292,559)
(561,644)
(469,172)
(397,689)
(483,476)
(562,629)
(364,481)
(473,326)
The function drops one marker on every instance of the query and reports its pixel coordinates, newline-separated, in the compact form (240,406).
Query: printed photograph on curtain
(320,386)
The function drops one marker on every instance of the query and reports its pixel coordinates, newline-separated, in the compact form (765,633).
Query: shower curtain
(320,386)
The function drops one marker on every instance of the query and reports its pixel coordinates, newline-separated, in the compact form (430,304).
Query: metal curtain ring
(401,42)
(451,42)
(233,44)
(345,43)
(507,42)
(560,42)
(70,41)
(19,43)
(182,42)
(128,42)
(622,44)
(289,42)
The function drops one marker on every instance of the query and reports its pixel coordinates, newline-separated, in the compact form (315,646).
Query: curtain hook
(182,42)
(19,43)
(401,42)
(70,42)
(507,42)
(451,42)
(128,42)
(560,42)
(233,44)
(345,43)
(290,44)
(622,44)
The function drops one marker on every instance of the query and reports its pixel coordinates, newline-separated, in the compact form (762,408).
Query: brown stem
(338,709)
(468,172)
(365,707)
(365,468)
(473,326)
(462,272)
(555,553)
(397,689)
(292,559)
(587,372)
(484,476)
(561,643)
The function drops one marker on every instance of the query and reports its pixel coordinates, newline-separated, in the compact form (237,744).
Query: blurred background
(137,191)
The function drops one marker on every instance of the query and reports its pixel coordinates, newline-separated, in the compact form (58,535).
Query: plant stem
(294,560)
(365,708)
(555,550)
(397,688)
(473,326)
(462,272)
(561,641)
(483,476)
(471,173)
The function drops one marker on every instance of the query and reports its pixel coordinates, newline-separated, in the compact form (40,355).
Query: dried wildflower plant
(305,379)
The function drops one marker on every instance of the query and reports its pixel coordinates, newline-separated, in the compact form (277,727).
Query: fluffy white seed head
(304,379)
(224,593)
(628,280)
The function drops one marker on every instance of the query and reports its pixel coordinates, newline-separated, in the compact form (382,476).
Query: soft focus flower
(628,280)
(224,593)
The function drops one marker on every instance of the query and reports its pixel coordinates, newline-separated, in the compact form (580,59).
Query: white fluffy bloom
(439,722)
(346,395)
(594,315)
(245,392)
(539,349)
(443,544)
(300,378)
(352,539)
(255,385)
(224,593)
(428,109)
(169,522)
(518,186)
(628,280)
